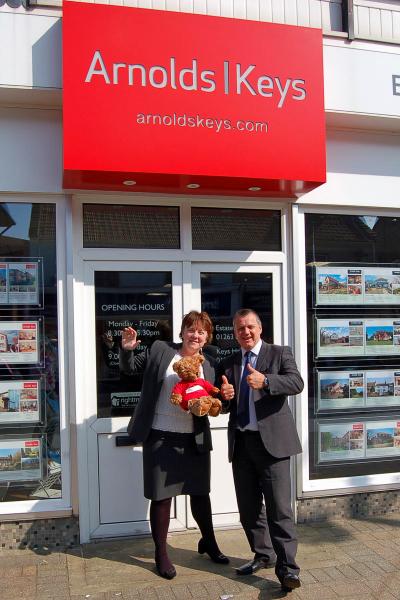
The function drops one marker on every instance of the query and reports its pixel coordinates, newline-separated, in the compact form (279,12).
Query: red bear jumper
(190,390)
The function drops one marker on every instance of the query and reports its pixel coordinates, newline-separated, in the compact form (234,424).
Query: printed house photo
(379,336)
(30,458)
(396,437)
(354,279)
(332,283)
(10,459)
(19,277)
(377,285)
(380,387)
(9,341)
(9,402)
(27,406)
(333,442)
(381,437)
(334,389)
(3,277)
(27,334)
(356,392)
(354,290)
(27,346)
(334,336)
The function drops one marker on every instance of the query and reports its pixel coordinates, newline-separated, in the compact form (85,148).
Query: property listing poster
(342,390)
(358,440)
(383,438)
(357,337)
(20,459)
(19,283)
(352,285)
(19,342)
(341,441)
(19,402)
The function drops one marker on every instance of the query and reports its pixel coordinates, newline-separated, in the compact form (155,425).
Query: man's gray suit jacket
(153,363)
(274,417)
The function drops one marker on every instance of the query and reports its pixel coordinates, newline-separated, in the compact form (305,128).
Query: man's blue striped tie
(243,416)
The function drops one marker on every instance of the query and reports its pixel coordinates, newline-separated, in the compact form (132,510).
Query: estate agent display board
(30,430)
(22,379)
(355,381)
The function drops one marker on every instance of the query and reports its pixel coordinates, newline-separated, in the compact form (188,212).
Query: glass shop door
(148,297)
(222,289)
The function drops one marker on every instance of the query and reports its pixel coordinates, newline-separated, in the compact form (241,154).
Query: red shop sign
(167,99)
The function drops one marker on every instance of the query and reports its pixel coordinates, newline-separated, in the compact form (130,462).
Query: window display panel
(361,337)
(347,286)
(21,459)
(138,299)
(347,390)
(21,402)
(30,453)
(353,306)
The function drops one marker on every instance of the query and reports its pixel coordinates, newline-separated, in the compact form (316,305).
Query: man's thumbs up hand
(227,389)
(255,379)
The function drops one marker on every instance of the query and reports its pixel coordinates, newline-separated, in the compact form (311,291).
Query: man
(261,438)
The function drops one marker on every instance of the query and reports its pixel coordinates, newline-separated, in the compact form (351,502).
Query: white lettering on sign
(132,307)
(237,78)
(396,85)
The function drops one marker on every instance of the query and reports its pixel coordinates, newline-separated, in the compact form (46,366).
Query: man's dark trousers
(259,475)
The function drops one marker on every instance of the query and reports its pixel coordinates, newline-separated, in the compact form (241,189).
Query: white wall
(30,50)
(363,169)
(377,20)
(358,76)
(30,150)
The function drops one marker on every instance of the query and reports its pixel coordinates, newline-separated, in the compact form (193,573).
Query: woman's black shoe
(168,572)
(216,556)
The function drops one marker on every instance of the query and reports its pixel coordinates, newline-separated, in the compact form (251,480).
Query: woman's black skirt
(172,466)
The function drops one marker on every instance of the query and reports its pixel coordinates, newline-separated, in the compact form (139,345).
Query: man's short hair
(245,312)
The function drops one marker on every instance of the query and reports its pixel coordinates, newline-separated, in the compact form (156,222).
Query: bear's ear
(200,359)
(175,366)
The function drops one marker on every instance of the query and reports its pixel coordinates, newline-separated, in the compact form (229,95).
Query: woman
(176,444)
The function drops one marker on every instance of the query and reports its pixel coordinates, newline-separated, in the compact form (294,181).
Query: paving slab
(348,559)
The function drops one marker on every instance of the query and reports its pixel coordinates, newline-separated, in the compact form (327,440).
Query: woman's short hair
(202,318)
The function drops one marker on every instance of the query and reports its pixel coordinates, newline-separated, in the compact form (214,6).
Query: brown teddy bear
(193,393)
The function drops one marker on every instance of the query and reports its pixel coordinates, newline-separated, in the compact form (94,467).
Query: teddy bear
(193,393)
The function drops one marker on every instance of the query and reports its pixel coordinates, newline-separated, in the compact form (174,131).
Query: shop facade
(317,259)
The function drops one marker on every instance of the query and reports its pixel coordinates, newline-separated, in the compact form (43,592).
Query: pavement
(355,559)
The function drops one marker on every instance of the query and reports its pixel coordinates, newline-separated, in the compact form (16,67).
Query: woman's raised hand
(129,339)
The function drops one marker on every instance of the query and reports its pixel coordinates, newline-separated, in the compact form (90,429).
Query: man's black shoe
(251,567)
(290,582)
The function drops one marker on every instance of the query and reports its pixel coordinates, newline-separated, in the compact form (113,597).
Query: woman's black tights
(159,521)
(201,511)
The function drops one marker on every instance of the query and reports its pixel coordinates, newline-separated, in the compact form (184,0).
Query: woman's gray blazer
(154,363)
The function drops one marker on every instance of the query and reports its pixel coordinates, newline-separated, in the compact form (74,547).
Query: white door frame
(86,400)
(186,258)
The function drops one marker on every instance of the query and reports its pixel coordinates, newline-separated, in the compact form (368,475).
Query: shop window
(236,229)
(130,226)
(353,305)
(30,454)
(139,299)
